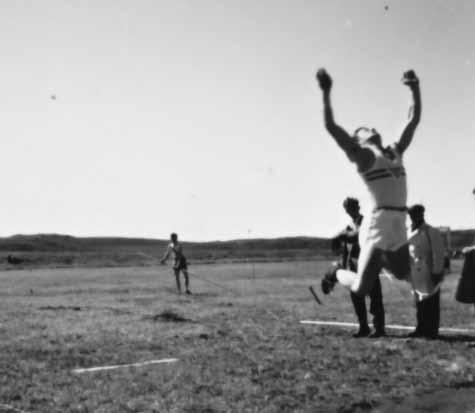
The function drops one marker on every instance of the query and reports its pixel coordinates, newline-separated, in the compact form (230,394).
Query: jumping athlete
(179,263)
(383,237)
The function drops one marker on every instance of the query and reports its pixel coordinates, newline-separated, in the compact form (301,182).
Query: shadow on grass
(167,316)
(60,308)
(459,338)
(452,338)
(458,397)
(463,385)
(205,295)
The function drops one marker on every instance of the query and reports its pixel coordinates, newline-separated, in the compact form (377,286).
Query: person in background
(470,248)
(465,292)
(426,248)
(179,262)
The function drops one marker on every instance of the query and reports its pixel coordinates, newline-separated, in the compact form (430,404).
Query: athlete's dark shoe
(188,292)
(415,334)
(329,279)
(378,334)
(362,332)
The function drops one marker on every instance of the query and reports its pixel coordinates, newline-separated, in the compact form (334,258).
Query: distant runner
(179,263)
(383,237)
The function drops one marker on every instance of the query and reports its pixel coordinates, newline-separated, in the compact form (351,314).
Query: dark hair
(416,209)
(173,235)
(351,202)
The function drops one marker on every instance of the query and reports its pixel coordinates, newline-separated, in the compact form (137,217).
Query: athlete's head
(352,207)
(173,237)
(366,135)
(416,213)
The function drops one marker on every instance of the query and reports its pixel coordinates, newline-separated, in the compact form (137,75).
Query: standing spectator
(426,248)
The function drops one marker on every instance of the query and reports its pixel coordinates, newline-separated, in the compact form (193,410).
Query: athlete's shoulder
(396,149)
(365,158)
(433,230)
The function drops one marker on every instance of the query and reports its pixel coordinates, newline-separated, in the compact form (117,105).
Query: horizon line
(186,240)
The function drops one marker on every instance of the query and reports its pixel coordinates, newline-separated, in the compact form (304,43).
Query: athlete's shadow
(457,338)
(452,338)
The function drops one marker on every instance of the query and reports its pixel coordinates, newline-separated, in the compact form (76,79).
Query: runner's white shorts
(381,229)
(384,229)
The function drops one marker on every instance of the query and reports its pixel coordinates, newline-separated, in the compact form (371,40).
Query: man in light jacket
(426,248)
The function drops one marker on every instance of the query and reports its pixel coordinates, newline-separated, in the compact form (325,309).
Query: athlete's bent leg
(187,281)
(369,267)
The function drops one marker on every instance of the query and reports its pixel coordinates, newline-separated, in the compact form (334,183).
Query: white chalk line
(121,366)
(11,408)
(390,326)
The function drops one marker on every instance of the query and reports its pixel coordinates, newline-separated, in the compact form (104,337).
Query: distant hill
(64,250)
(462,238)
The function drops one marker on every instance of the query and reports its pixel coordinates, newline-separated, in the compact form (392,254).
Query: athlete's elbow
(415,122)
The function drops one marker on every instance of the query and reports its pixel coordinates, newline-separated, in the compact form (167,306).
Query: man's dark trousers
(428,316)
(376,307)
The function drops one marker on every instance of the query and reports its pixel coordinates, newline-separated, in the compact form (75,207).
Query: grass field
(240,348)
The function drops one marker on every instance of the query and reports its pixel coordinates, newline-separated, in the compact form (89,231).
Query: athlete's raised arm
(341,136)
(410,79)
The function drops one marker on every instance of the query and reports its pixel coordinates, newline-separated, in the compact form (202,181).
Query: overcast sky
(138,118)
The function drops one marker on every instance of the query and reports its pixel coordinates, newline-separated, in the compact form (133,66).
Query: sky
(138,118)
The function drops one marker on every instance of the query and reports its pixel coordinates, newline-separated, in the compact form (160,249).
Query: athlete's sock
(346,277)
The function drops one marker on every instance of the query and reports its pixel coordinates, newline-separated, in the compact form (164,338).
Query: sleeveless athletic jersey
(386,179)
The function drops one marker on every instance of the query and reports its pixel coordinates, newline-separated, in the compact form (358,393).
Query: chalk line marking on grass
(120,366)
(10,408)
(390,326)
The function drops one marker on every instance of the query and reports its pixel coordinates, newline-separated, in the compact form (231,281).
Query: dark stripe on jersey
(374,178)
(399,171)
(375,172)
